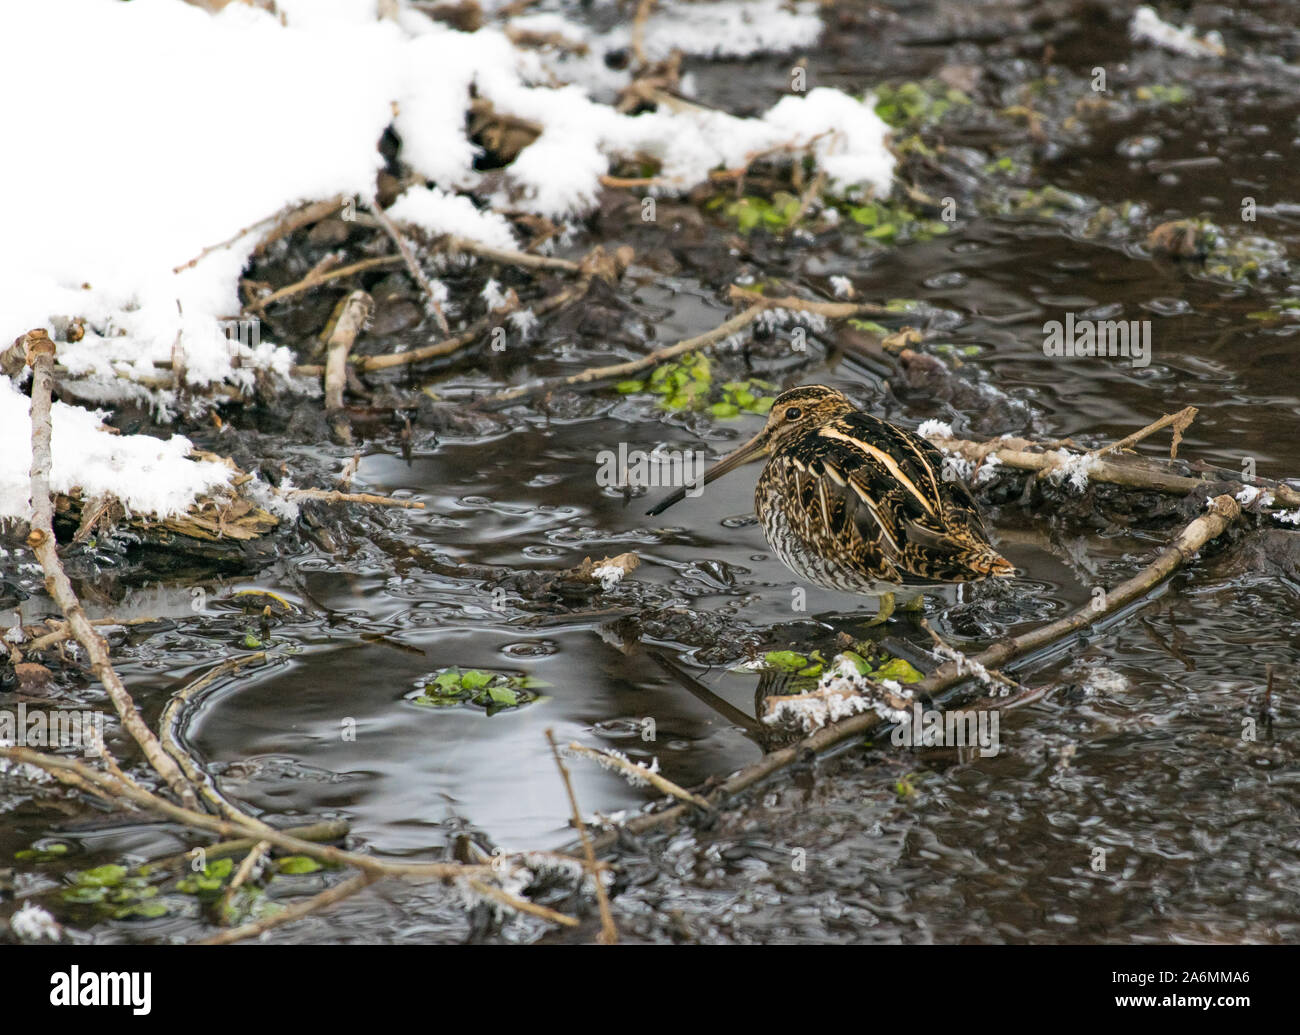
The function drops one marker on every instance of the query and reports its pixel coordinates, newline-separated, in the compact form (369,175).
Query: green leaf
(899,670)
(725,410)
(476,679)
(294,864)
(142,910)
(220,868)
(784,660)
(102,876)
(448,682)
(628,387)
(84,895)
(859,662)
(503,695)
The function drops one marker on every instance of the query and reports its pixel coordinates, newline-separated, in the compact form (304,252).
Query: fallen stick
(408,257)
(639,19)
(353,313)
(228,241)
(40,357)
(315,280)
(511,258)
(1222,512)
(296,911)
(389,360)
(63,630)
(1132,472)
(521,905)
(608,931)
(256,854)
(334,496)
(723,331)
(637,772)
(325,830)
(830,310)
(169,733)
(1180,420)
(112,789)
(299,216)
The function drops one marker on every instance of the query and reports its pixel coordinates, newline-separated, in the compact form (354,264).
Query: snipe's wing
(876,495)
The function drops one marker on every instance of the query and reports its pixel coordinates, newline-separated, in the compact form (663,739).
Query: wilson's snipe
(850,502)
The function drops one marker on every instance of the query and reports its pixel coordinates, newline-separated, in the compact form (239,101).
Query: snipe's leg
(886,609)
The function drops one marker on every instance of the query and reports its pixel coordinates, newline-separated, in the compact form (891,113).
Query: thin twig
(250,862)
(352,312)
(1180,420)
(112,789)
(830,310)
(62,631)
(326,898)
(334,496)
(521,905)
(170,735)
(437,349)
(315,280)
(40,356)
(510,257)
(408,257)
(722,332)
(638,772)
(643,9)
(228,241)
(608,932)
(1133,472)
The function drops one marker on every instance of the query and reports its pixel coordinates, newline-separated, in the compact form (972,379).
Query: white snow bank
(142,133)
(149,476)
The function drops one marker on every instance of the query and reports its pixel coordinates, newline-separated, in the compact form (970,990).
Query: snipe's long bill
(852,503)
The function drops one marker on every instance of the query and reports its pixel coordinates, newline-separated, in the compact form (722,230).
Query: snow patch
(151,477)
(1148,27)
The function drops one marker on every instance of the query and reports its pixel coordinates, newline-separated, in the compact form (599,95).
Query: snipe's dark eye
(793,413)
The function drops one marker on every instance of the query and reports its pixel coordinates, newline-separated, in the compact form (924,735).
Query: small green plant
(1159,93)
(795,664)
(492,691)
(894,224)
(687,384)
(116,893)
(918,103)
(46,852)
(905,786)
(885,667)
(209,881)
(752,212)
(1283,308)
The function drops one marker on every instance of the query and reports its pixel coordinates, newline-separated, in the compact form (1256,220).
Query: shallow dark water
(1137,752)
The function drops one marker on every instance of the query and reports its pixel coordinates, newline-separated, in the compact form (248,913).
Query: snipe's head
(794,414)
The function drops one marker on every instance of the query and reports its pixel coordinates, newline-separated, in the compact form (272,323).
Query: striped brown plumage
(850,502)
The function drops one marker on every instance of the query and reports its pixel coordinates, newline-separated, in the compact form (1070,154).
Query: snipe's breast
(808,526)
